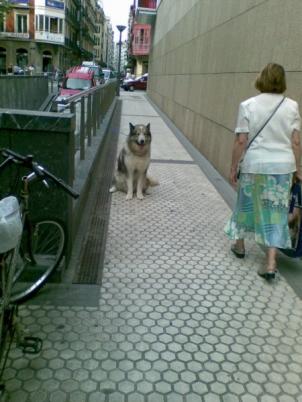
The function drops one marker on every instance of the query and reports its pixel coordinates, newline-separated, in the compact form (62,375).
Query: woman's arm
(239,147)
(297,152)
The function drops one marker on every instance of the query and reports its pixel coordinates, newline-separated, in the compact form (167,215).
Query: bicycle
(36,254)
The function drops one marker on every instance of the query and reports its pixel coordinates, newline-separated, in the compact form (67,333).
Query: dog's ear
(131,127)
(148,126)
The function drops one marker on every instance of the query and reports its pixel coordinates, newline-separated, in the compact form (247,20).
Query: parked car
(108,74)
(77,79)
(98,72)
(137,83)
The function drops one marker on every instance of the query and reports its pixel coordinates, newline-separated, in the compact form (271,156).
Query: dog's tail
(151,182)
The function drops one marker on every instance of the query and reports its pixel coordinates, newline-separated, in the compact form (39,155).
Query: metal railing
(89,107)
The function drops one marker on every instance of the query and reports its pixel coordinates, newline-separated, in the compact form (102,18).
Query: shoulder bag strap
(259,131)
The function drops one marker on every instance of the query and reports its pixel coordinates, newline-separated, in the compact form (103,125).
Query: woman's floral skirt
(262,210)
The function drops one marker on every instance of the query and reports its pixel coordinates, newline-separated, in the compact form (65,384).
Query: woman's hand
(298,175)
(233,176)
(239,146)
(297,153)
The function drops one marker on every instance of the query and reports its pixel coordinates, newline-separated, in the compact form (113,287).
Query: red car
(77,79)
(137,83)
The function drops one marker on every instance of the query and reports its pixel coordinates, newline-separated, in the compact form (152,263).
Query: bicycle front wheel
(41,251)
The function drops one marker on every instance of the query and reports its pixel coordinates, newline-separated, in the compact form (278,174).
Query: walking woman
(268,140)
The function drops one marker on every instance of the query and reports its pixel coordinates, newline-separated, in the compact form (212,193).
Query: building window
(49,24)
(46,23)
(53,25)
(2,60)
(41,23)
(141,35)
(2,25)
(22,23)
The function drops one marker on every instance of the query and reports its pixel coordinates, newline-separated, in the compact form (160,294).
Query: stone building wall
(206,55)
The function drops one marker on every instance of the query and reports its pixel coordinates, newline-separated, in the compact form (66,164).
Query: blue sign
(55,3)
(19,1)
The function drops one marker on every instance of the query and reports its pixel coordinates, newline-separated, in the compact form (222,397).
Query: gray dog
(133,163)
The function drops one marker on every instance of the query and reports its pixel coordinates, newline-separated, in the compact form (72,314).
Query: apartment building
(50,34)
(142,20)
(124,56)
(99,35)
(110,45)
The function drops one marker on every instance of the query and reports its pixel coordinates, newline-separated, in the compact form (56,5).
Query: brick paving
(179,319)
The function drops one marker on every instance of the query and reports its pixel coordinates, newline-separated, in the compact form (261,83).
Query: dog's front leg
(129,195)
(140,187)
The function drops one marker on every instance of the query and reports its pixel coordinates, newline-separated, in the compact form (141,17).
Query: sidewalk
(179,319)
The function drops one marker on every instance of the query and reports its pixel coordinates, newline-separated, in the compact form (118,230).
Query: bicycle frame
(39,249)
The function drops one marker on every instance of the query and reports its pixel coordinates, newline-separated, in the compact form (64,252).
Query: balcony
(141,39)
(141,49)
(15,35)
(71,43)
(71,17)
(147,4)
(50,37)
(146,12)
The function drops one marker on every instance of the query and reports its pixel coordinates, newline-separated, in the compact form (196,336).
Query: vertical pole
(98,108)
(89,119)
(120,28)
(94,106)
(73,111)
(119,66)
(82,129)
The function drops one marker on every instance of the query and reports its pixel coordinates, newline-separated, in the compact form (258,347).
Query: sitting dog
(133,163)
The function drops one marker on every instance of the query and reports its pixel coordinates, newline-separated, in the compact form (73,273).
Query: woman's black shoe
(267,275)
(237,253)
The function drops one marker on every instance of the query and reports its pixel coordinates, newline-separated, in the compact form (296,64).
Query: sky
(118,12)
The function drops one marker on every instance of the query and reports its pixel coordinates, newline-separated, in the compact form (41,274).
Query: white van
(108,74)
(98,73)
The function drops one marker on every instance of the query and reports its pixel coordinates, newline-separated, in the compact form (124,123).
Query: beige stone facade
(206,55)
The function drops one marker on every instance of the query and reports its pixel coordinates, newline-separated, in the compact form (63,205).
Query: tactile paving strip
(90,268)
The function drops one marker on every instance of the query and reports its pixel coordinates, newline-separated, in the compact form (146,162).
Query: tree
(5,5)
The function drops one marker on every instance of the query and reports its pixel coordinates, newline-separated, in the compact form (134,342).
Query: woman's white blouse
(271,152)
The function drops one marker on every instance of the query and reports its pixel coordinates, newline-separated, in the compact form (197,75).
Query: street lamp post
(120,28)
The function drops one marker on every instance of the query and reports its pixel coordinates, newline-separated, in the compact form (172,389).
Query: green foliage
(5,5)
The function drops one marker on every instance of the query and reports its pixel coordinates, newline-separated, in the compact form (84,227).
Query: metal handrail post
(103,97)
(82,129)
(94,114)
(89,114)
(73,111)
(98,107)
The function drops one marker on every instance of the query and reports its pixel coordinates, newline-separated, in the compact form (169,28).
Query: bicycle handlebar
(40,171)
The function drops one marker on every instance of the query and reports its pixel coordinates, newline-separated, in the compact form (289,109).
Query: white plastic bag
(10,223)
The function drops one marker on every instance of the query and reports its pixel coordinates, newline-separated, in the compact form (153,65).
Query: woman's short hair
(271,79)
